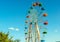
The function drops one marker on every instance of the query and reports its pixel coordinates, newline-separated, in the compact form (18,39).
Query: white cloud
(14,29)
(11,28)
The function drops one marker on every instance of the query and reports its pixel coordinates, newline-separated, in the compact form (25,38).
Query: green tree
(4,37)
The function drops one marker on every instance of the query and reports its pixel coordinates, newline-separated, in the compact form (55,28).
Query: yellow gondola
(34,4)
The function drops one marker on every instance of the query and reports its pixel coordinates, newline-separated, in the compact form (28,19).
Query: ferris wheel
(35,19)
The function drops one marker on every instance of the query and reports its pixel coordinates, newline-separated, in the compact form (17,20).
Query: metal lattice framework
(35,19)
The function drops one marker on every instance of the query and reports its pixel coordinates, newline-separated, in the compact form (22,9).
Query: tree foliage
(4,37)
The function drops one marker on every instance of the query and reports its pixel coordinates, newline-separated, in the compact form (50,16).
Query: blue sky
(13,12)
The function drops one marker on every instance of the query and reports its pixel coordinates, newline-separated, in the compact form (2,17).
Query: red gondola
(45,23)
(44,15)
